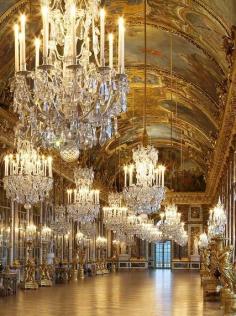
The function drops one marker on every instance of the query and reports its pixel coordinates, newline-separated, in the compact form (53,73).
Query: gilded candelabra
(45,270)
(30,268)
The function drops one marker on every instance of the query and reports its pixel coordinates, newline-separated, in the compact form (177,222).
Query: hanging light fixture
(145,193)
(83,202)
(88,229)
(101,242)
(30,231)
(46,233)
(203,241)
(76,89)
(28,175)
(61,225)
(114,215)
(171,226)
(217,221)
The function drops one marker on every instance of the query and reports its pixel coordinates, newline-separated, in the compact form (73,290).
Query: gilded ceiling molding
(6,16)
(211,12)
(207,11)
(187,198)
(225,138)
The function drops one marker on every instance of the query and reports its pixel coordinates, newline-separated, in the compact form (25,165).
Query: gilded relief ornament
(225,266)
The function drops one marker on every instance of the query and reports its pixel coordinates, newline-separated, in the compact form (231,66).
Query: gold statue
(225,267)
(29,277)
(205,261)
(45,274)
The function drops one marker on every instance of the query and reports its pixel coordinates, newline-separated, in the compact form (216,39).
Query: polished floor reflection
(153,293)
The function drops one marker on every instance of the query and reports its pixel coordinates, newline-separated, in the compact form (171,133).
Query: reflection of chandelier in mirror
(30,231)
(217,221)
(89,230)
(46,233)
(81,239)
(61,225)
(28,175)
(101,242)
(115,215)
(83,201)
(73,95)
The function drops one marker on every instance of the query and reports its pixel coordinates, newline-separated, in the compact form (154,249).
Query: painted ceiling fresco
(186,57)
(183,114)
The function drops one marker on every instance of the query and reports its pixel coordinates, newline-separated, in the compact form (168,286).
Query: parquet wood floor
(149,293)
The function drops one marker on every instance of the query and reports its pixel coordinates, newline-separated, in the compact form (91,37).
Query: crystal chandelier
(101,242)
(83,201)
(154,235)
(79,237)
(46,233)
(88,229)
(61,225)
(28,175)
(181,237)
(217,221)
(132,225)
(144,231)
(203,241)
(171,226)
(114,215)
(30,232)
(74,93)
(146,195)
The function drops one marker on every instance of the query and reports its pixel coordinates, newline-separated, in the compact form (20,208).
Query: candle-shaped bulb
(16,31)
(22,19)
(37,43)
(111,40)
(50,166)
(73,31)
(121,45)
(102,37)
(45,15)
(22,46)
(73,10)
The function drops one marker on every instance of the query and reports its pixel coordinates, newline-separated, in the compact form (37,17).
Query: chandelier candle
(121,46)
(111,40)
(45,12)
(22,46)
(37,48)
(73,31)
(16,30)
(102,37)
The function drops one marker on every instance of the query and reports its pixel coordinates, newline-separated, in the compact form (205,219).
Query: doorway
(163,255)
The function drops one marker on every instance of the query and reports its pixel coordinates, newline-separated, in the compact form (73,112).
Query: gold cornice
(225,138)
(12,10)
(187,198)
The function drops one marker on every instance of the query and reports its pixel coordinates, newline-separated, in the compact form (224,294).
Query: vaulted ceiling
(187,69)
